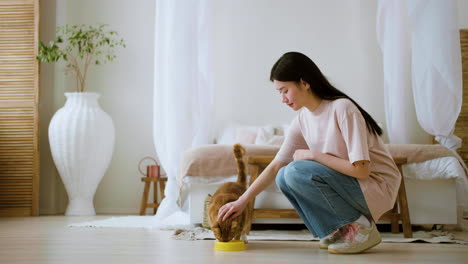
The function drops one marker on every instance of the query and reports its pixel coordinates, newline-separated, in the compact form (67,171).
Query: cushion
(267,137)
(260,135)
(246,135)
(235,133)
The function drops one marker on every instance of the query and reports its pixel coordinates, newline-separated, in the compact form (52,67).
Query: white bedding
(440,168)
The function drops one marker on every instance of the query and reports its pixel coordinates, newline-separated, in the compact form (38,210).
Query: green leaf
(74,42)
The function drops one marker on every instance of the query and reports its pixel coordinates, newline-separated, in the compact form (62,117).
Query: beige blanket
(415,153)
(218,160)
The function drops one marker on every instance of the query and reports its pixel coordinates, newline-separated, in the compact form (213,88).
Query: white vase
(81,137)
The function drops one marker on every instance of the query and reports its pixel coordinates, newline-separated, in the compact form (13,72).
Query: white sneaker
(332,238)
(358,239)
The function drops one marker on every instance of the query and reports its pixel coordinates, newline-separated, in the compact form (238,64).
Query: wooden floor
(47,239)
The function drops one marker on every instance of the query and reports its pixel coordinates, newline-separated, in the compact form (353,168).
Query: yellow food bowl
(234,245)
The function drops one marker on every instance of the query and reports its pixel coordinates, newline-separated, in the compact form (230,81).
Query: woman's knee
(301,170)
(280,181)
(293,172)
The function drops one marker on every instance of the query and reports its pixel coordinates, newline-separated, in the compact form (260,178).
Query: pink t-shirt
(338,128)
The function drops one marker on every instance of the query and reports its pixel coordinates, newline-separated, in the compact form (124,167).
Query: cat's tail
(239,153)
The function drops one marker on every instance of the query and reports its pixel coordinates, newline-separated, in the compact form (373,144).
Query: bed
(435,181)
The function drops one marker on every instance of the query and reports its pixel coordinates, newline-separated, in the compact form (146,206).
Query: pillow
(266,136)
(246,135)
(235,133)
(281,130)
(227,136)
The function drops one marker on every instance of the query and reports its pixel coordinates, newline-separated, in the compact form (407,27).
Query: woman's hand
(305,154)
(231,210)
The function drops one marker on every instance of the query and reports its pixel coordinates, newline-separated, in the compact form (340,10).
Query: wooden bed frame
(400,211)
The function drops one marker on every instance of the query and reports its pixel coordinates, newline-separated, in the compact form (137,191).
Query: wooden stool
(144,199)
(400,211)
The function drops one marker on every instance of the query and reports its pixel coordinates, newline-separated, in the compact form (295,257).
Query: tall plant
(80,46)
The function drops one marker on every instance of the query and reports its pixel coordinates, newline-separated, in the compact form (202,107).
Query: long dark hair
(295,66)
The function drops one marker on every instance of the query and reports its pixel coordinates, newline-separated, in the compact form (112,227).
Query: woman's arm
(234,209)
(358,169)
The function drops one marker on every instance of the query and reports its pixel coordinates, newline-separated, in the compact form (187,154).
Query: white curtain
(183,91)
(393,35)
(437,74)
(421,38)
(436,67)
(422,64)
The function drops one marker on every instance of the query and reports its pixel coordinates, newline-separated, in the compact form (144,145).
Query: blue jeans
(324,198)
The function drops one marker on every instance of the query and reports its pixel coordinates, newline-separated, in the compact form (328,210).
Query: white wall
(249,36)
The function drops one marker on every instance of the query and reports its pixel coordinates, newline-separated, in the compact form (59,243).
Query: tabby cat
(238,227)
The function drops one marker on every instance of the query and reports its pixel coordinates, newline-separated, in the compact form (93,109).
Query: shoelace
(350,231)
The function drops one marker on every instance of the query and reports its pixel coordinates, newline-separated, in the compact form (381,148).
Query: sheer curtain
(437,74)
(422,67)
(436,67)
(421,38)
(393,35)
(183,91)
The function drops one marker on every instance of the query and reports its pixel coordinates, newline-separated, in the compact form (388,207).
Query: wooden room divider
(461,127)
